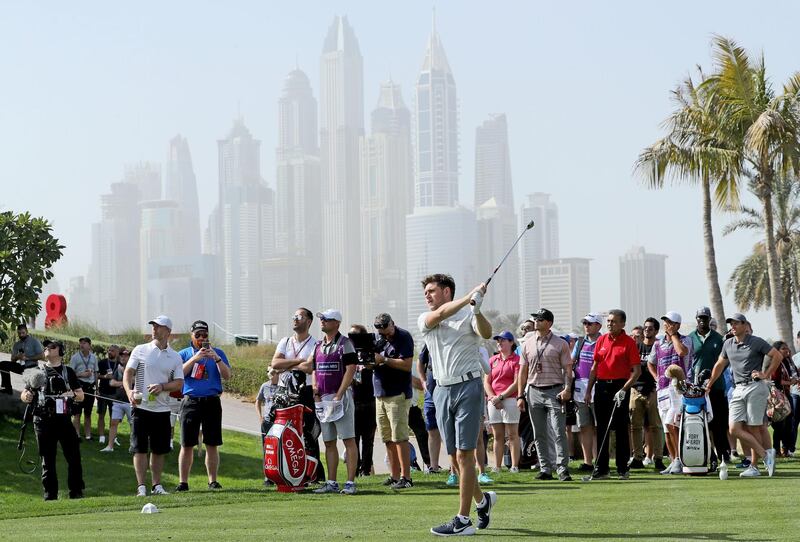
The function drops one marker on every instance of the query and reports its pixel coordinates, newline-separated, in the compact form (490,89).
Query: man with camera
(204,369)
(392,383)
(57,393)
(154,370)
(334,361)
(545,380)
(84,363)
(451,329)
(25,353)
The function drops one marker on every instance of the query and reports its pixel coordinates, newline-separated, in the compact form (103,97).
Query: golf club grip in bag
(285,460)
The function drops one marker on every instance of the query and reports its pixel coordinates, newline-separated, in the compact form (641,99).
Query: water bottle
(723,471)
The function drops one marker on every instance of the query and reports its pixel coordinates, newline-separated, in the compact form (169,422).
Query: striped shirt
(547,357)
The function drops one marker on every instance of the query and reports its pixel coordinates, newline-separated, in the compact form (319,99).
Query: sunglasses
(381,326)
(201,335)
(297,318)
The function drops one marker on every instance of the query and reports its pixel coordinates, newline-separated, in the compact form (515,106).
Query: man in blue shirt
(204,369)
(392,383)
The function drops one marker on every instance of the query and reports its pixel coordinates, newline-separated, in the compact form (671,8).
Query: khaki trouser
(645,407)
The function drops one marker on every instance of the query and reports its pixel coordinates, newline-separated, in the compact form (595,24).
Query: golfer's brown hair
(442,281)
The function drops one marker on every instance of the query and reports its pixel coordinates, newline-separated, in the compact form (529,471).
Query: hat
(543,314)
(672,316)
(703,311)
(198,325)
(383,319)
(48,342)
(330,314)
(737,316)
(85,340)
(507,335)
(591,318)
(162,321)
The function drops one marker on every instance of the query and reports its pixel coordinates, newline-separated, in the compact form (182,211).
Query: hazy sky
(92,86)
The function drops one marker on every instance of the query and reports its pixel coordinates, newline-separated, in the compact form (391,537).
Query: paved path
(239,415)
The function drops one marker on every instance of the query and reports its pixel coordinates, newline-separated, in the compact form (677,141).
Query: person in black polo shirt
(392,382)
(364,415)
(204,369)
(644,406)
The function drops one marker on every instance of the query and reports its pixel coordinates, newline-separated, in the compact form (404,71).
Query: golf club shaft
(496,269)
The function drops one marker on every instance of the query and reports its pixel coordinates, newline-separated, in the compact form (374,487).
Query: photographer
(392,382)
(52,423)
(24,355)
(85,365)
(204,369)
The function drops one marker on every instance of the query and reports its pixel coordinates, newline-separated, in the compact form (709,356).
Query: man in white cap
(334,363)
(154,370)
(748,407)
(583,356)
(676,349)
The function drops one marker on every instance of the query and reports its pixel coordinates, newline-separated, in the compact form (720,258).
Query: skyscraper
(181,187)
(642,285)
(441,237)
(246,222)
(564,289)
(292,277)
(493,163)
(436,115)
(113,279)
(341,126)
(539,244)
(387,185)
(497,222)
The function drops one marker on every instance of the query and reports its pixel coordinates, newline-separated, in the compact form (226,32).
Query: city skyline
(581,191)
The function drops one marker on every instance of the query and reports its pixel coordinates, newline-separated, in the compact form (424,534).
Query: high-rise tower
(181,187)
(540,244)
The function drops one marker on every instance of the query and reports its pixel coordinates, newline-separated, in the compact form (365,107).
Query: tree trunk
(714,292)
(783,315)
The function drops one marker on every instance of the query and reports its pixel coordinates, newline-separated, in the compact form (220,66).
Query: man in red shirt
(615,370)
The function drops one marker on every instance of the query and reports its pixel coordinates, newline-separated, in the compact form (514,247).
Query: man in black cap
(545,374)
(707,345)
(391,380)
(204,369)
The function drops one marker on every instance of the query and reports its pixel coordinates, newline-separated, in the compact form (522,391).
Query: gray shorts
(343,428)
(121,410)
(749,403)
(585,414)
(459,409)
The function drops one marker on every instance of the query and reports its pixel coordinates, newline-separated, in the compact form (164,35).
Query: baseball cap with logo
(672,316)
(507,335)
(543,314)
(591,318)
(330,314)
(198,325)
(737,316)
(703,311)
(162,321)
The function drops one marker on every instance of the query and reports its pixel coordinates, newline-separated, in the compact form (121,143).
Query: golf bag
(285,460)
(695,448)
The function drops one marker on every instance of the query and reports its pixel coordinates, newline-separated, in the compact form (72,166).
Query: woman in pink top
(500,386)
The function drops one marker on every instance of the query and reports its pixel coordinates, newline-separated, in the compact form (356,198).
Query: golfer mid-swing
(451,329)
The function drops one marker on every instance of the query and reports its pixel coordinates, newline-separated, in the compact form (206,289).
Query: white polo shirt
(155,366)
(453,346)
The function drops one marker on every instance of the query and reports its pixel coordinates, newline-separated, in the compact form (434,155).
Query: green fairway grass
(646,507)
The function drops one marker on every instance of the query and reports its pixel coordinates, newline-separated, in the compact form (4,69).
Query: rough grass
(647,507)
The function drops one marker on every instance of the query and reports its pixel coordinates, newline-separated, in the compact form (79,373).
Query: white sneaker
(107,449)
(141,491)
(750,472)
(158,489)
(676,467)
(769,461)
(514,470)
(495,470)
(102,439)
(647,461)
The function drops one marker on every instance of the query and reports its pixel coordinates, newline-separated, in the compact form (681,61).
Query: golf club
(608,430)
(496,269)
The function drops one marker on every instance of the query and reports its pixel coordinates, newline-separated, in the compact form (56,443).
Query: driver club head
(530,225)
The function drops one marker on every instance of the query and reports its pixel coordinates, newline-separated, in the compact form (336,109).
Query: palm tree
(764,129)
(750,280)
(693,152)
